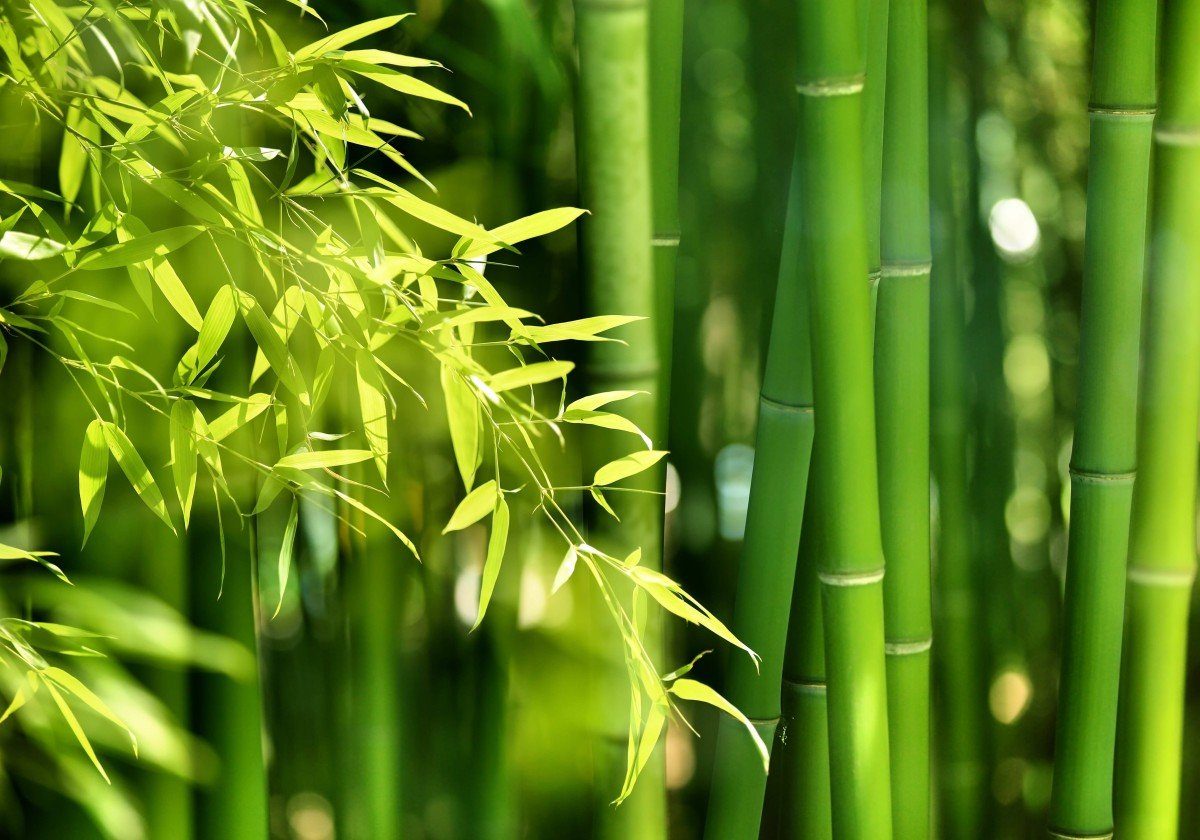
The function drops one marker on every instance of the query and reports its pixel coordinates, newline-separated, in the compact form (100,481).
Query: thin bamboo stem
(615,178)
(961,689)
(1162,547)
(767,570)
(1103,457)
(831,82)
(902,414)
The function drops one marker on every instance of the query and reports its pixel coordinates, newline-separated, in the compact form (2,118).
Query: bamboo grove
(637,419)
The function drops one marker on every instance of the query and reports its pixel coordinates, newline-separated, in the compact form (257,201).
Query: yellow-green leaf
(495,558)
(479,503)
(183,455)
(630,465)
(533,374)
(373,407)
(463,415)
(286,549)
(135,470)
(139,249)
(93,474)
(321,460)
(686,689)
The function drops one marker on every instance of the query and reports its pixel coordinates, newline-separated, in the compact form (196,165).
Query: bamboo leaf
(347,36)
(533,374)
(184,456)
(139,249)
(464,417)
(530,227)
(273,347)
(597,401)
(238,416)
(76,729)
(27,246)
(373,408)
(565,570)
(93,474)
(322,460)
(478,503)
(216,325)
(495,558)
(79,690)
(135,470)
(286,550)
(687,689)
(584,329)
(629,465)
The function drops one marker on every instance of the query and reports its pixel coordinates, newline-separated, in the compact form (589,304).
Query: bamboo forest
(614,419)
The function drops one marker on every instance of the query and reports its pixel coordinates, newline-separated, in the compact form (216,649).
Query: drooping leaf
(93,474)
(286,551)
(184,455)
(216,325)
(497,541)
(463,416)
(565,570)
(373,408)
(688,689)
(272,345)
(135,470)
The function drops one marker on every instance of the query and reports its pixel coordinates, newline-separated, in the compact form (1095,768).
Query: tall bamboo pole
(666,81)
(799,800)
(851,564)
(961,673)
(767,569)
(1162,547)
(1103,458)
(902,413)
(614,167)
(798,806)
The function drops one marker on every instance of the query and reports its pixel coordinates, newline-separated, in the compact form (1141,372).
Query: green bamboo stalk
(1103,458)
(614,167)
(1162,547)
(961,680)
(798,806)
(831,81)
(799,802)
(902,414)
(767,569)
(666,83)
(227,713)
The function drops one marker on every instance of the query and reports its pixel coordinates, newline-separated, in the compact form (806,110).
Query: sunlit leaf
(478,503)
(497,541)
(286,550)
(93,474)
(627,466)
(533,374)
(373,408)
(183,456)
(135,470)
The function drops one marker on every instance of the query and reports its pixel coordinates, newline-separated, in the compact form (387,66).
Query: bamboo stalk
(961,681)
(1162,547)
(902,414)
(767,569)
(798,803)
(831,81)
(1103,458)
(614,167)
(666,72)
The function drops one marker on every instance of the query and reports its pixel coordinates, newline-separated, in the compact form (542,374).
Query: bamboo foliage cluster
(335,283)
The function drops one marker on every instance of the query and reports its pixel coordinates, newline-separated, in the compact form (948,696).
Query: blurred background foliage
(382,715)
